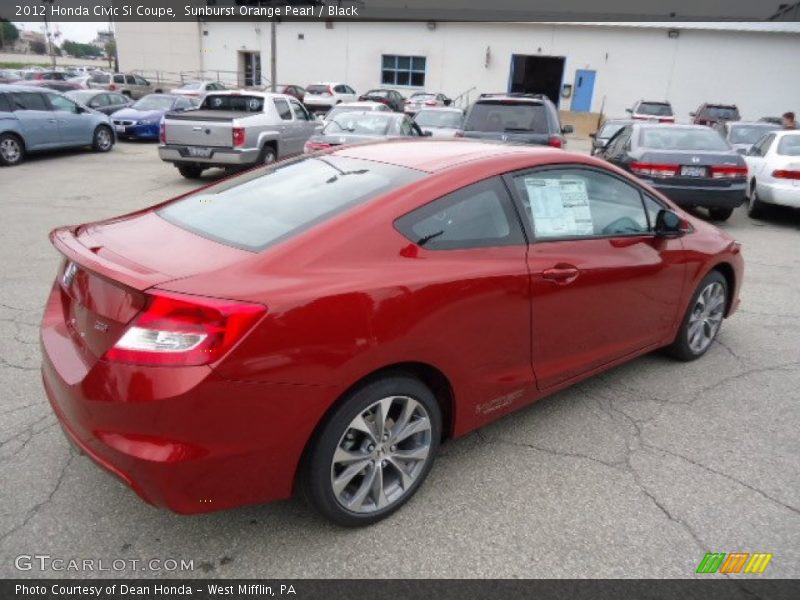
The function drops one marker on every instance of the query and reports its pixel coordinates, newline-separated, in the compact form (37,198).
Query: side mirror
(629,111)
(567,129)
(692,114)
(668,224)
(593,135)
(448,102)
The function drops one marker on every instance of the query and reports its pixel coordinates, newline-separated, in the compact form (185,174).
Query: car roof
(359,104)
(505,97)
(437,155)
(13,87)
(441,109)
(671,126)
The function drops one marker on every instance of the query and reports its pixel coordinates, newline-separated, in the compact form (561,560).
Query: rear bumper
(219,156)
(707,197)
(184,438)
(782,194)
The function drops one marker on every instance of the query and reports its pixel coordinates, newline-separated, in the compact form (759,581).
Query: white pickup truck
(234,129)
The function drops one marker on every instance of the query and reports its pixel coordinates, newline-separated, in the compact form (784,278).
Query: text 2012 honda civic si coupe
(321,325)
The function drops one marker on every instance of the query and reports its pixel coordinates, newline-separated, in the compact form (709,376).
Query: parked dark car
(518,118)
(743,134)
(390,98)
(142,119)
(711,114)
(354,127)
(773,120)
(690,164)
(606,132)
(106,102)
(295,91)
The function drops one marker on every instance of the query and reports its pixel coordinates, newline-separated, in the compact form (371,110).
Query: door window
(5,105)
(575,203)
(62,104)
(300,113)
(119,79)
(28,101)
(100,100)
(762,147)
(130,80)
(479,215)
(183,104)
(139,80)
(282,106)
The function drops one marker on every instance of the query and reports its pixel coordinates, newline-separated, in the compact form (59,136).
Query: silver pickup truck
(233,129)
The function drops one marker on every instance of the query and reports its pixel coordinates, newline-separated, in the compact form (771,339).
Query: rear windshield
(439,119)
(266,207)
(317,89)
(507,116)
(373,123)
(789,145)
(749,134)
(237,102)
(654,108)
(378,93)
(340,110)
(670,137)
(719,112)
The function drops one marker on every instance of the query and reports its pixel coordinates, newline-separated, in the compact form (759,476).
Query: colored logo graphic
(735,562)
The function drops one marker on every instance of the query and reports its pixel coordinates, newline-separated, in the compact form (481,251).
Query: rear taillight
(554,141)
(666,120)
(314,146)
(430,103)
(728,172)
(162,132)
(175,329)
(112,87)
(654,170)
(459,133)
(786,174)
(238,136)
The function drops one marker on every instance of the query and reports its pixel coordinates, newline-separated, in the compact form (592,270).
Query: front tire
(103,139)
(703,318)
(268,155)
(374,452)
(12,150)
(720,214)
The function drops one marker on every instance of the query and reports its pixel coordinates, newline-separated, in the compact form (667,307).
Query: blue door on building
(584,88)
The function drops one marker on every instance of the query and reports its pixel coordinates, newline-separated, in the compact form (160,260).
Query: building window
(403,70)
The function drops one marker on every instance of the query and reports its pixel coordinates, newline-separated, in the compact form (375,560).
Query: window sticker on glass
(559,207)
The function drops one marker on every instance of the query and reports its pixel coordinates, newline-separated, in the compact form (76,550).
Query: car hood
(135,114)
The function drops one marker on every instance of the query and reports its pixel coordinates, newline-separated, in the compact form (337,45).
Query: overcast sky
(76,32)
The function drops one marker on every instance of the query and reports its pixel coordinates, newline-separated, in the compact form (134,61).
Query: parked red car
(322,324)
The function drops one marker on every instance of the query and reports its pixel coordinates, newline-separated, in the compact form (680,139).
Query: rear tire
(755,207)
(190,171)
(268,156)
(103,139)
(703,318)
(12,150)
(374,451)
(720,214)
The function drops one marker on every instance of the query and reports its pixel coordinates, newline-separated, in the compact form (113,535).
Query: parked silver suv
(128,84)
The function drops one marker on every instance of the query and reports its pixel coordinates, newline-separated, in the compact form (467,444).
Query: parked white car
(198,89)
(321,97)
(441,122)
(354,107)
(420,100)
(773,172)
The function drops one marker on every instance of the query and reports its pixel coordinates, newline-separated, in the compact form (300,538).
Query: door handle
(561,273)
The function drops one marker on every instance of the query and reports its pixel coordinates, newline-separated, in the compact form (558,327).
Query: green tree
(111,53)
(78,49)
(8,33)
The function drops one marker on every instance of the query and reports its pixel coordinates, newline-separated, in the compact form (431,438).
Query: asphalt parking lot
(635,473)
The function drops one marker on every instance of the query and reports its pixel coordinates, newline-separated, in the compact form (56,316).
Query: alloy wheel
(381,454)
(10,150)
(706,317)
(103,139)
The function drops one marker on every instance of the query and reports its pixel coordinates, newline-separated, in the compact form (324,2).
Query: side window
(573,202)
(282,106)
(477,216)
(5,105)
(119,79)
(183,104)
(28,101)
(62,104)
(99,100)
(763,146)
(339,89)
(349,89)
(131,80)
(300,112)
(405,127)
(118,99)
(651,207)
(618,141)
(139,80)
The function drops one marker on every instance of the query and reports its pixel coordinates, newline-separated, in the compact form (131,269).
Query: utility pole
(50,48)
(273,63)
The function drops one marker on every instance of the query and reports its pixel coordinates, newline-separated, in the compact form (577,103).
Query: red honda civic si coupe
(322,324)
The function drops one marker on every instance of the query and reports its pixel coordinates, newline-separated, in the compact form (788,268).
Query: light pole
(273,64)
(47,32)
